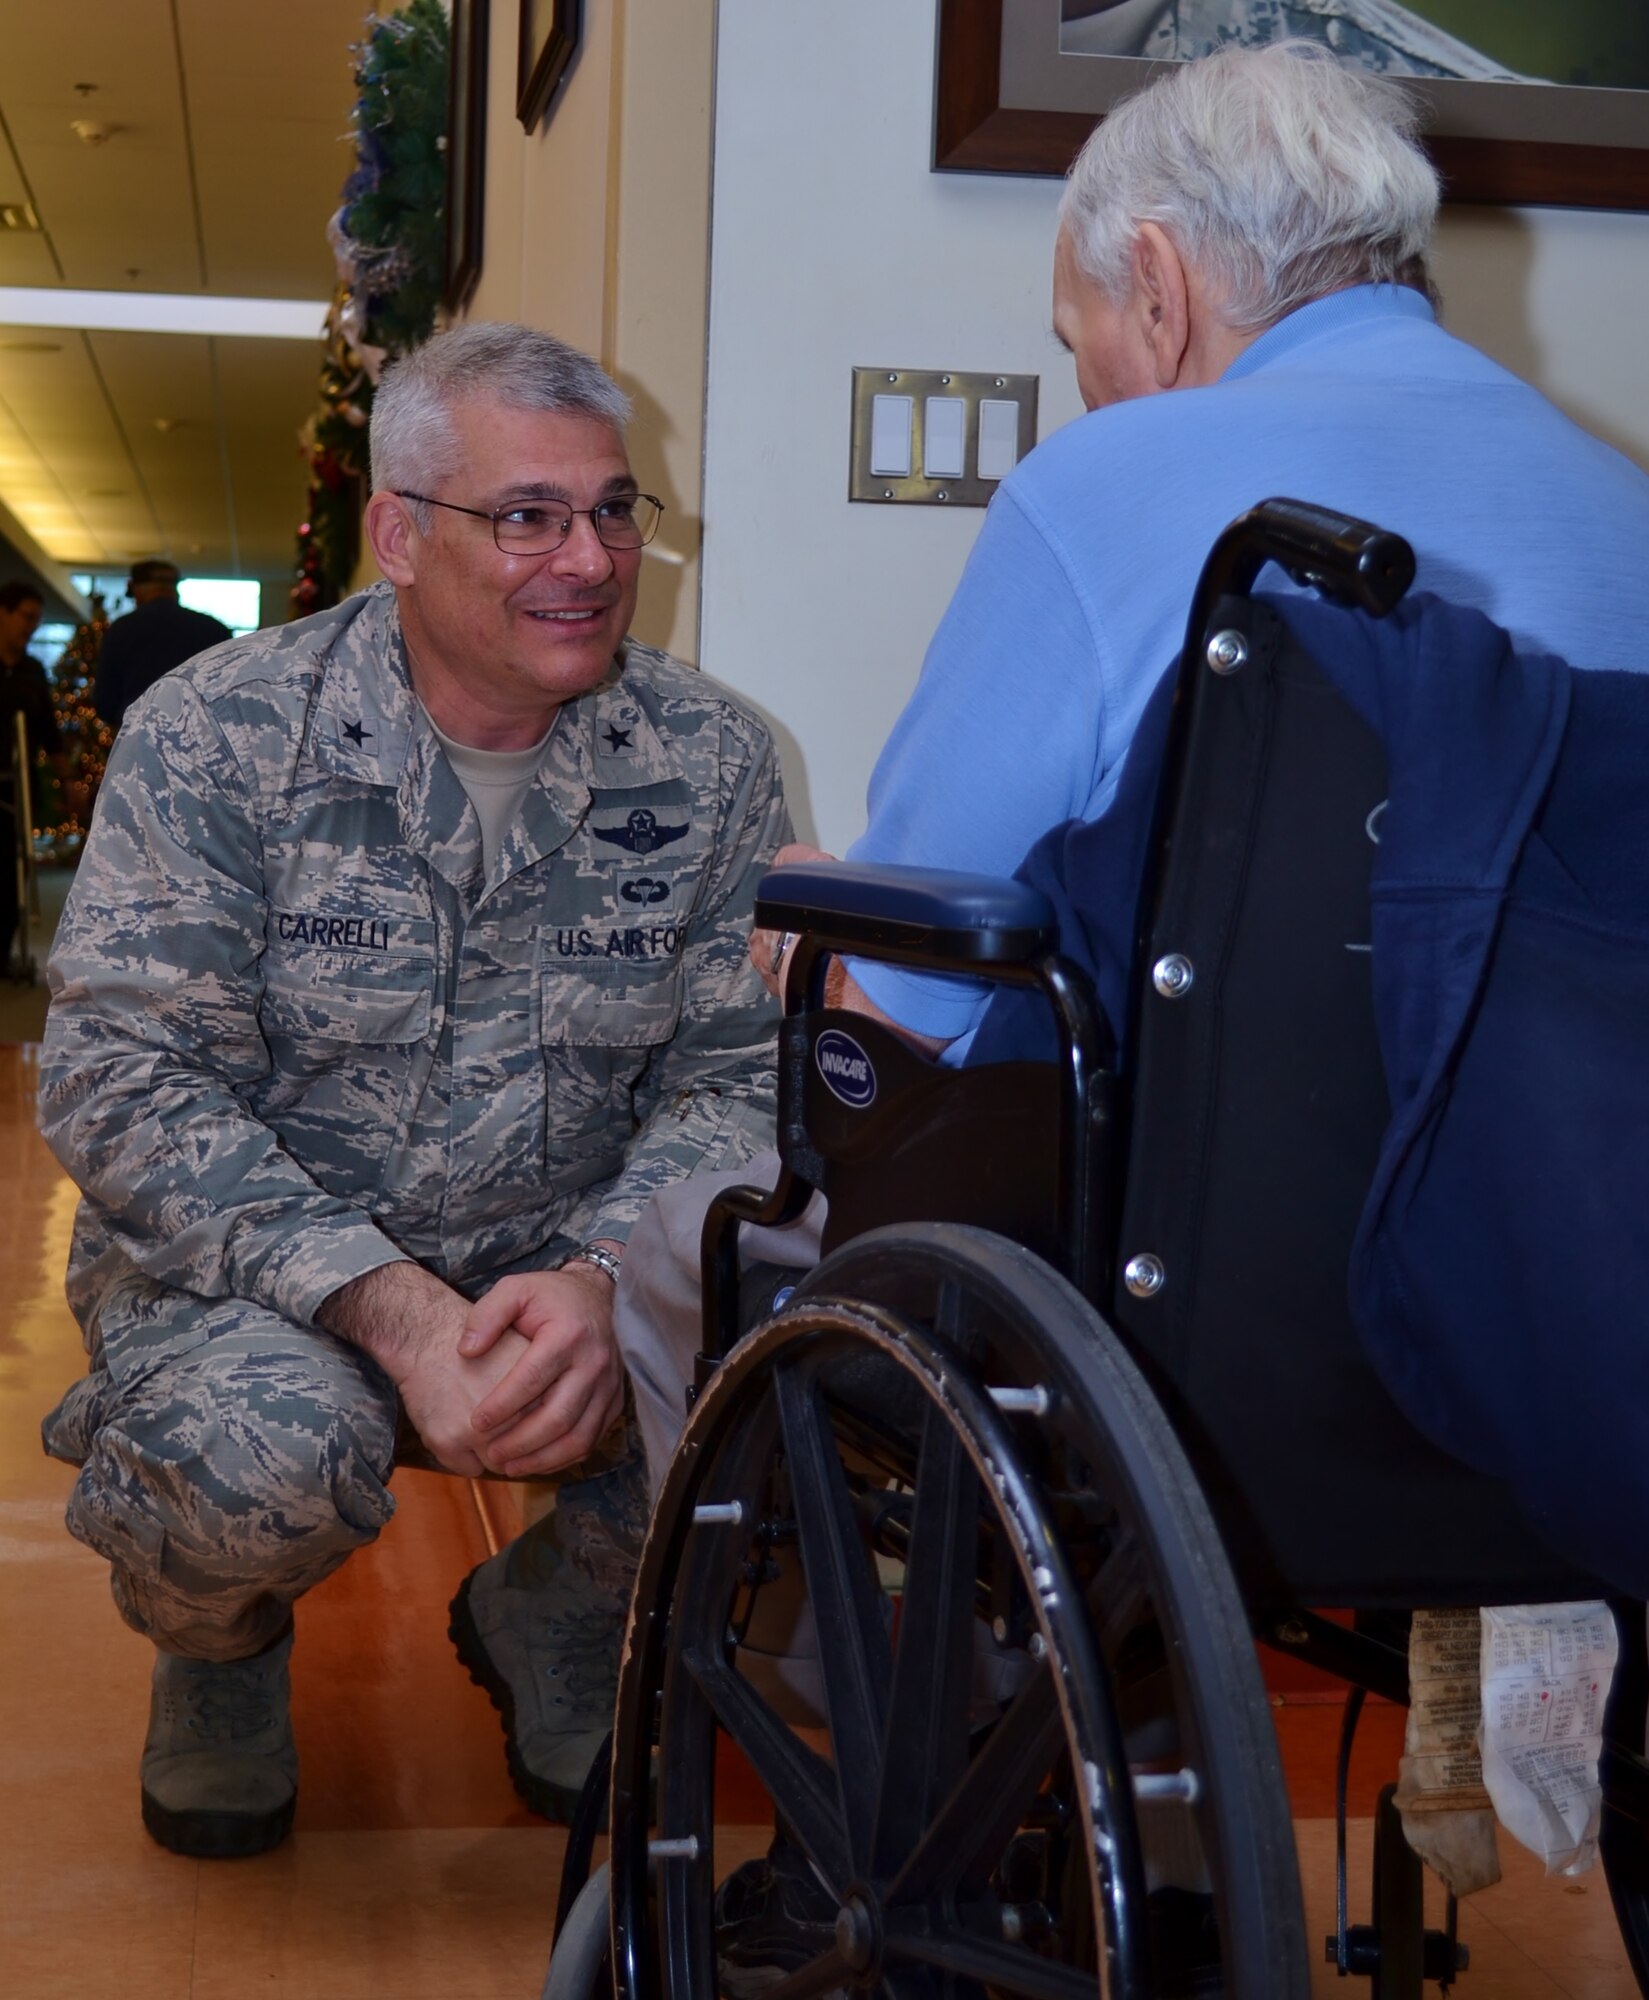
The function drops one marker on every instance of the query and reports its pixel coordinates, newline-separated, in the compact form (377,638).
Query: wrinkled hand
(768,951)
(564,1386)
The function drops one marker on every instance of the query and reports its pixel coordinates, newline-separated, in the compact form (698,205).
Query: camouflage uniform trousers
(250,1459)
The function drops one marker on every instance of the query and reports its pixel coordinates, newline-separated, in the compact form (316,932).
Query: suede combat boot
(540,1626)
(542,1637)
(220,1768)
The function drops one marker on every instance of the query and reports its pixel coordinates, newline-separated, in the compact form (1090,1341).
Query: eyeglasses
(539,527)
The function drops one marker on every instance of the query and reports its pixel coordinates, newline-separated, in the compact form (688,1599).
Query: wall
(597,229)
(833,245)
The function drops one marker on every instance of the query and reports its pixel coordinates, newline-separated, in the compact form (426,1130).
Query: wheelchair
(1070,1414)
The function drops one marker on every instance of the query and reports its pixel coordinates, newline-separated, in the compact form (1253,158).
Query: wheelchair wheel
(1049,1767)
(580,1968)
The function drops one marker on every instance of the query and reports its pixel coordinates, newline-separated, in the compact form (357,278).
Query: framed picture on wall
(549,41)
(466,150)
(1525,101)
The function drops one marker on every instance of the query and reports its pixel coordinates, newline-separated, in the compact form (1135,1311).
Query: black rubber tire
(580,1967)
(878,1301)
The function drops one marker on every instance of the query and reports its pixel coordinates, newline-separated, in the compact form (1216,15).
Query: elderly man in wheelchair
(1079,1402)
(1276,1247)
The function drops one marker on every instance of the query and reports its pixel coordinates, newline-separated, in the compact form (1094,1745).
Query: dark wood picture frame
(546,49)
(466,152)
(974,131)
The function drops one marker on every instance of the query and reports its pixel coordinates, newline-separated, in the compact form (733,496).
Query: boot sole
(557,1803)
(217,1836)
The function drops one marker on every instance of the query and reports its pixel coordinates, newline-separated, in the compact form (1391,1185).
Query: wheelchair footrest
(1444,1956)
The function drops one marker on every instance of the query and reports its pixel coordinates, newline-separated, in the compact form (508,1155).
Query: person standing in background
(23,691)
(157,635)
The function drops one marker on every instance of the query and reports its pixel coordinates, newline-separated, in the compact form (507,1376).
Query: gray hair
(1281,174)
(413,444)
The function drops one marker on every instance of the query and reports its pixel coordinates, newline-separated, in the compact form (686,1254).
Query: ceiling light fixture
(162,312)
(18,215)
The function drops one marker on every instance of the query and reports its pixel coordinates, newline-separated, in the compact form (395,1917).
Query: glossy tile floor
(413,1873)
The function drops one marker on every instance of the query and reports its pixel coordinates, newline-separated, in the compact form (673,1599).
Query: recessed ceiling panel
(123,204)
(270,91)
(268,389)
(225,152)
(155,380)
(26,259)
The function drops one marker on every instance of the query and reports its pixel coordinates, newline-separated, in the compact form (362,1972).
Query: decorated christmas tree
(62,813)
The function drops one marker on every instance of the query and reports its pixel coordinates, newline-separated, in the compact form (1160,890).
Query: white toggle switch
(998,438)
(890,422)
(944,437)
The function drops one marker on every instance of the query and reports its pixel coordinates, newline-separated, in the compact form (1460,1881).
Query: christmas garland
(388,242)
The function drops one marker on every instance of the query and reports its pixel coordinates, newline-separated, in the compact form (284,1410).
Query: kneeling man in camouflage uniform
(406,961)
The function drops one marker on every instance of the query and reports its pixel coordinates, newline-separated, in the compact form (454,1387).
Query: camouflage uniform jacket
(295,1033)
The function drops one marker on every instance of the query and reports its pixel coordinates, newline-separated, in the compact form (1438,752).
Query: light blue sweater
(1075,597)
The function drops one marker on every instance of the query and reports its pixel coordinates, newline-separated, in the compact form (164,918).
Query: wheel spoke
(854,1655)
(821,1975)
(985,1808)
(1004,1968)
(800,1783)
(1118,1593)
(927,1730)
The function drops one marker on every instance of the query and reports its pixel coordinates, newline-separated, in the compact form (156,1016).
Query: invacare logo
(845,1068)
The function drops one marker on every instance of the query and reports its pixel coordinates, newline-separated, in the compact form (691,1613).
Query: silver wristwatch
(592,1253)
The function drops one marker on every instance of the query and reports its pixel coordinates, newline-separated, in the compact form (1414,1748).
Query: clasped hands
(523,1382)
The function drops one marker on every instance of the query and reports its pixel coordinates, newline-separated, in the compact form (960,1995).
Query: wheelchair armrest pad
(926,913)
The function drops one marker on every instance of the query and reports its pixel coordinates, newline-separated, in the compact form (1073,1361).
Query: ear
(392,532)
(1162,302)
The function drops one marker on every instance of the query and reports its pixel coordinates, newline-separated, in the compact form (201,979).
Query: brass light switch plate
(938,437)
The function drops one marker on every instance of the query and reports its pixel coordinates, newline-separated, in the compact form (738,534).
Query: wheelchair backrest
(1256,1109)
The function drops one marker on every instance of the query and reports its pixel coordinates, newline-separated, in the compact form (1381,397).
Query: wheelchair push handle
(1340,557)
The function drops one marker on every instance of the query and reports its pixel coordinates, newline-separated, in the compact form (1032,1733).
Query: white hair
(1280,174)
(413,443)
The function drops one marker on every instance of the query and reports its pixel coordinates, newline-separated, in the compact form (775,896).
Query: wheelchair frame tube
(1081,1161)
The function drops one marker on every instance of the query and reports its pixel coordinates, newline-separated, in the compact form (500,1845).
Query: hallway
(414,1870)
(413,1873)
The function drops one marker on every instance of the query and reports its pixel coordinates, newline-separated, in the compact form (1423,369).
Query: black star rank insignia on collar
(619,739)
(356,734)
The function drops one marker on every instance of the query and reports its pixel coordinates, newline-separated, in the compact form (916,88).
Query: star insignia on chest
(356,734)
(617,739)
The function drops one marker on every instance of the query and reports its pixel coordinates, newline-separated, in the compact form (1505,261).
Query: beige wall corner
(597,229)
